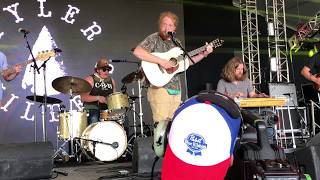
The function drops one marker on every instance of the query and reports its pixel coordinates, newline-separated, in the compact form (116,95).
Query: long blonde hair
(228,70)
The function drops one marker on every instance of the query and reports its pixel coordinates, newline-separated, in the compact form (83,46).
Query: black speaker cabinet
(144,156)
(308,160)
(26,160)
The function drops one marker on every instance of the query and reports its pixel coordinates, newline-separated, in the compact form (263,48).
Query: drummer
(102,85)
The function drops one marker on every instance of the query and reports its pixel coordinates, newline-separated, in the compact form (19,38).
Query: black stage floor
(116,170)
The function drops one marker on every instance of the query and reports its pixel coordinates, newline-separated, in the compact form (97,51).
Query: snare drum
(112,138)
(107,115)
(72,124)
(117,101)
(104,115)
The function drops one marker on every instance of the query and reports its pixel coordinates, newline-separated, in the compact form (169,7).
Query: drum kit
(105,140)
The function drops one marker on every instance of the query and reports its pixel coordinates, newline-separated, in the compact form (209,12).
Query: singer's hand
(209,48)
(165,64)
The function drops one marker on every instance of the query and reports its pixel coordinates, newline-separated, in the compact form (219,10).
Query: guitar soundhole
(174,62)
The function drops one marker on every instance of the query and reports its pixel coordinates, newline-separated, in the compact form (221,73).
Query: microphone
(118,60)
(24,31)
(57,50)
(171,33)
(287,94)
(115,145)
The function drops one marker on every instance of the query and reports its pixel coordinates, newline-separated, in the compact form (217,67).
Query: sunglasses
(107,68)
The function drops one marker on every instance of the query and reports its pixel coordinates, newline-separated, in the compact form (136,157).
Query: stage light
(312,52)
(270,28)
(273,64)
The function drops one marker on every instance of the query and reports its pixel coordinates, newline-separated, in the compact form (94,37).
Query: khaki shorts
(163,105)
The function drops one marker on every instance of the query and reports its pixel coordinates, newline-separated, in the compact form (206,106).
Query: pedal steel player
(102,85)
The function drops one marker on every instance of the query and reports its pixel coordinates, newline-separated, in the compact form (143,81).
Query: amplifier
(284,89)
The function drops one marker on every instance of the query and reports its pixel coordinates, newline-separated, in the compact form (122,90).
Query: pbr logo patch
(196,143)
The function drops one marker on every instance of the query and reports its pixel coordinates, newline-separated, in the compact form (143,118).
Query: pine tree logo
(54,67)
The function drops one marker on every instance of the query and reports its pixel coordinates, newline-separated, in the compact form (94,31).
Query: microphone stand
(125,61)
(35,68)
(94,142)
(44,106)
(185,54)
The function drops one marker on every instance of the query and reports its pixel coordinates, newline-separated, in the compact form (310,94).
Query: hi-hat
(71,85)
(132,77)
(40,99)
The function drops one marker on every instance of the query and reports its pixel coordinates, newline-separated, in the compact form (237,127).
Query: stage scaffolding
(277,39)
(250,39)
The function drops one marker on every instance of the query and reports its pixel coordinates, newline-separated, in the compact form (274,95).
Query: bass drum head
(105,133)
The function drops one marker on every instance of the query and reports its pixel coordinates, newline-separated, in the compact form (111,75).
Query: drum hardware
(43,100)
(71,126)
(106,141)
(44,57)
(71,86)
(132,77)
(136,76)
(114,145)
(117,102)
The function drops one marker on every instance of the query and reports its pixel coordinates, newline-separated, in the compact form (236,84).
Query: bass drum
(110,137)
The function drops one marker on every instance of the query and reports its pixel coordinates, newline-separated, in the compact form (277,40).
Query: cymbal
(40,99)
(71,85)
(132,77)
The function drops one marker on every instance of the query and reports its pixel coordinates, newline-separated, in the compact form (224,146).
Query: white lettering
(92,32)
(3,87)
(25,116)
(77,101)
(111,72)
(13,12)
(1,34)
(42,9)
(70,13)
(4,108)
(53,113)
(103,85)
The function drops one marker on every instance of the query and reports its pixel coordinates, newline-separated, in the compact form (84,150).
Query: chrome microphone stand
(35,68)
(44,105)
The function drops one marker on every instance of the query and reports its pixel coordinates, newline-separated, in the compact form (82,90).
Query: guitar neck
(197,51)
(22,64)
(216,43)
(42,56)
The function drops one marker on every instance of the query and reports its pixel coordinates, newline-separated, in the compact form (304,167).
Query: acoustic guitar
(159,76)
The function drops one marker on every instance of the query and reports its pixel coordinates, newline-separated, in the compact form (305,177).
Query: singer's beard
(164,36)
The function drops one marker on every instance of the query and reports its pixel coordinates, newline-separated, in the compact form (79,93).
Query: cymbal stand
(64,153)
(71,124)
(140,107)
(134,116)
